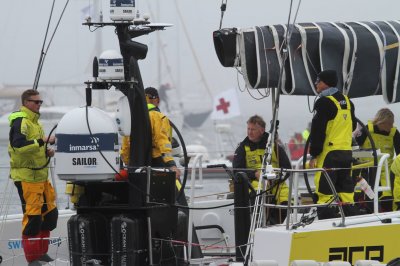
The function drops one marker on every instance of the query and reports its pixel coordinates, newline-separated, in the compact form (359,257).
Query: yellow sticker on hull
(348,244)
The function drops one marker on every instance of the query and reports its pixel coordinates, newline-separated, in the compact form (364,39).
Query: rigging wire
(5,204)
(223,9)
(258,212)
(239,72)
(43,45)
(44,51)
(257,98)
(197,61)
(161,49)
(267,91)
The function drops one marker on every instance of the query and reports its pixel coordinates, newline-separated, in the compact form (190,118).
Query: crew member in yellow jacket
(331,145)
(29,171)
(386,138)
(161,135)
(395,168)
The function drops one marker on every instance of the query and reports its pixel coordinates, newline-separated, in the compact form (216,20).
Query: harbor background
(182,56)
(171,58)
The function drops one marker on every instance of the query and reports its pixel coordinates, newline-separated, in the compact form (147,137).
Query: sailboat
(174,94)
(285,59)
(300,241)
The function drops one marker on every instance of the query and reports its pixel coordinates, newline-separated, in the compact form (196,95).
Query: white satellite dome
(111,65)
(78,154)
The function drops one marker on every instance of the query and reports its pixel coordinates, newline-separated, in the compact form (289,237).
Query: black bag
(87,239)
(126,241)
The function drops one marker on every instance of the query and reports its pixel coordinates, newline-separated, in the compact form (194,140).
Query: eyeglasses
(151,96)
(317,81)
(36,101)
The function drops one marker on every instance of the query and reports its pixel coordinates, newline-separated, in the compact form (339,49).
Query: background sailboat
(292,116)
(68,58)
(173,95)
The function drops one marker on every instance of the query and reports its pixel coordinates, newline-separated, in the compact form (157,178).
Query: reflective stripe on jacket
(25,152)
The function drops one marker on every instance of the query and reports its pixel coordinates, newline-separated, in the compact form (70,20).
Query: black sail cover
(364,54)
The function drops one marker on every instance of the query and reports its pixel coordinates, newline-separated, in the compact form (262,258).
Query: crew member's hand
(50,152)
(122,175)
(51,139)
(176,170)
(313,163)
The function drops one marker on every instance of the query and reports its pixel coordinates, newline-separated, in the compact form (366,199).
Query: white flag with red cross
(225,105)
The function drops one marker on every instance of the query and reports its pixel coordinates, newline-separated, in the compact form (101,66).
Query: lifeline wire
(5,204)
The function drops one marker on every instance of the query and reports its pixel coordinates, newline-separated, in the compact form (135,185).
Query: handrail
(197,163)
(331,185)
(53,181)
(197,159)
(383,160)
(295,188)
(377,188)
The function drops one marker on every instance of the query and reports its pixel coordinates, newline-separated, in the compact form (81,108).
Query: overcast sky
(23,22)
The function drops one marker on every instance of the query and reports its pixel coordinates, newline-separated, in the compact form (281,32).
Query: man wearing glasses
(330,145)
(28,162)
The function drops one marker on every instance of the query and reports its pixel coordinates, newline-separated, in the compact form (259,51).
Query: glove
(122,175)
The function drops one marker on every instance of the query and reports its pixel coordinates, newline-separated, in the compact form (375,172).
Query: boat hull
(362,239)
(11,250)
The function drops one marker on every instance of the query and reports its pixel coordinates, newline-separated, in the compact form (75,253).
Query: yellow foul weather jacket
(161,138)
(338,138)
(254,161)
(385,144)
(395,167)
(26,148)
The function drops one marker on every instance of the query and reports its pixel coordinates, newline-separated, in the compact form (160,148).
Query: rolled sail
(364,54)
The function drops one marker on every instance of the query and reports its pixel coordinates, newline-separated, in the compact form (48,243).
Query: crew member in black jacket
(248,158)
(331,144)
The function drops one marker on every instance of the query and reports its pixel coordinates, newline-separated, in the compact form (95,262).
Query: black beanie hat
(151,92)
(329,77)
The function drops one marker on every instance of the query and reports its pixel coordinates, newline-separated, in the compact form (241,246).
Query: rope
(206,247)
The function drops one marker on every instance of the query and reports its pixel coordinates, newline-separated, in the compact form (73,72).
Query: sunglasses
(151,96)
(36,101)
